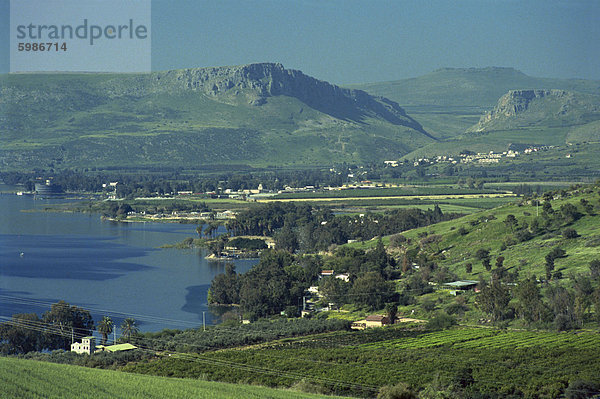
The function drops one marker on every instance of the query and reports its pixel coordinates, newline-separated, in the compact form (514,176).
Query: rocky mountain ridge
(519,108)
(256,83)
(254,114)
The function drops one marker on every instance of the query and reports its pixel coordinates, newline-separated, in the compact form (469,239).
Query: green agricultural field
(21,378)
(409,191)
(525,363)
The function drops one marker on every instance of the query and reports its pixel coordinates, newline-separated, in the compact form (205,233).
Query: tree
(529,296)
(286,239)
(595,269)
(334,290)
(469,267)
(549,266)
(105,327)
(392,311)
(482,253)
(21,334)
(570,213)
(225,287)
(584,290)
(267,288)
(431,241)
(499,261)
(371,290)
(511,222)
(569,233)
(486,264)
(562,303)
(579,389)
(129,327)
(64,322)
(494,299)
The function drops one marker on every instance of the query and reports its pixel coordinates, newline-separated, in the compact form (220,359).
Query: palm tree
(105,327)
(129,327)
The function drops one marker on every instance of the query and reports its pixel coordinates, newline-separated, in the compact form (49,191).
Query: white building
(87,345)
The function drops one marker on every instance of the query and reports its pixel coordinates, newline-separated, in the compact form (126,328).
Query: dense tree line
(279,281)
(564,305)
(308,229)
(144,183)
(54,330)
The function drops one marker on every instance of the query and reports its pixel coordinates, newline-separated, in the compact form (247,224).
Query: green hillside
(534,118)
(258,114)
(524,244)
(32,379)
(450,100)
(468,87)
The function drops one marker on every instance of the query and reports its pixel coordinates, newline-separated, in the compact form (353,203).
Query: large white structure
(87,345)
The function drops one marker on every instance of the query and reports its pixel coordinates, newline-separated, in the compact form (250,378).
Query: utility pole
(115,335)
(203,321)
(72,336)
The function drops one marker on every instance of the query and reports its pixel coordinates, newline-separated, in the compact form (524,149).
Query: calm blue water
(109,268)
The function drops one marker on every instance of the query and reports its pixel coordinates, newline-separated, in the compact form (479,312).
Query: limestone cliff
(520,108)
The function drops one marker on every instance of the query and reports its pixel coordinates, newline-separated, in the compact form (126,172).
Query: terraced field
(480,338)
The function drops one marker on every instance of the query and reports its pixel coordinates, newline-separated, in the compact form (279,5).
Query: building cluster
(470,157)
(88,346)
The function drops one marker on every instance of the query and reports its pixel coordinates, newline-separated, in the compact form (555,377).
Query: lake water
(109,268)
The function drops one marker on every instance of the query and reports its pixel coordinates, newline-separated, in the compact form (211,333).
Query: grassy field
(21,378)
(531,364)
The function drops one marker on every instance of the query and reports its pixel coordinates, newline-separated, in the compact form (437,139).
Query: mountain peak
(257,82)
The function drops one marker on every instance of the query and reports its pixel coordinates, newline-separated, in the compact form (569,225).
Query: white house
(87,345)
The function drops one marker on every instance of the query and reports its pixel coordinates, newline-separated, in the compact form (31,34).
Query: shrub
(441,321)
(398,391)
(582,389)
(428,305)
(570,232)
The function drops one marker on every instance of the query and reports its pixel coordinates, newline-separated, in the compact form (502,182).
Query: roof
(119,347)
(462,283)
(376,317)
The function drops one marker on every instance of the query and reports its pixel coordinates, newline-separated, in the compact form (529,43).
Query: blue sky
(351,41)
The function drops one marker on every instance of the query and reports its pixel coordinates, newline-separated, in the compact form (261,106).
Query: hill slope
(523,118)
(27,378)
(450,100)
(552,108)
(525,243)
(256,114)
(469,87)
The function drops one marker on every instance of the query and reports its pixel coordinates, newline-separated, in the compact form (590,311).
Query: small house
(374,320)
(326,273)
(87,345)
(461,285)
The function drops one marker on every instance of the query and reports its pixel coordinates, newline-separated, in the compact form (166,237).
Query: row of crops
(492,339)
(521,363)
